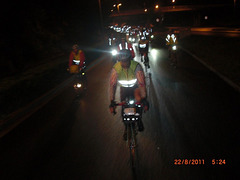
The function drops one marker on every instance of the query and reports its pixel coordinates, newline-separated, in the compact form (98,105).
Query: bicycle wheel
(132,146)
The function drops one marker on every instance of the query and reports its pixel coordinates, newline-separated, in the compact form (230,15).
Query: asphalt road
(193,115)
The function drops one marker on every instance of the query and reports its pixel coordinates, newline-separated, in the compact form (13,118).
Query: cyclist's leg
(137,94)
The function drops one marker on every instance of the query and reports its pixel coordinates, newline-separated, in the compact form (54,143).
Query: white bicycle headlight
(174,48)
(79,85)
(114,52)
(131,102)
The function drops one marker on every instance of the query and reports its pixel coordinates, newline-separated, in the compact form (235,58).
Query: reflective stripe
(126,46)
(76,61)
(120,46)
(125,83)
(174,39)
(142,45)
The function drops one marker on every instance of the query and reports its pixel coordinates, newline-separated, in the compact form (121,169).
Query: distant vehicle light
(152,36)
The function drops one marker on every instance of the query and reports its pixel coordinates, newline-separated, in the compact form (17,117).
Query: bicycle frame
(130,122)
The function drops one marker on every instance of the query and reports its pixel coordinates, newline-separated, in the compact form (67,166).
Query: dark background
(33,32)
(36,31)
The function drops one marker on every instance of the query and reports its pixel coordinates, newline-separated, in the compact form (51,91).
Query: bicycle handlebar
(122,104)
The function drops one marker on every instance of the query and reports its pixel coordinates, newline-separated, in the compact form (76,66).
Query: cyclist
(126,45)
(143,46)
(127,70)
(171,42)
(76,59)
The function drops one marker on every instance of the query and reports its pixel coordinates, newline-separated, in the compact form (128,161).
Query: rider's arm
(113,84)
(70,59)
(82,58)
(141,81)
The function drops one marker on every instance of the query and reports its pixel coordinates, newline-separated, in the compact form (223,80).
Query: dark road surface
(193,115)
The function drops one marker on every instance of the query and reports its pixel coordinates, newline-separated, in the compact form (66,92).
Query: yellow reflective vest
(126,74)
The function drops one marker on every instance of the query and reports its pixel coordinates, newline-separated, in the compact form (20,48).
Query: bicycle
(173,55)
(79,79)
(131,115)
(143,50)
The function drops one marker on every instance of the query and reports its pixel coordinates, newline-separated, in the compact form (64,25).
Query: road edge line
(224,78)
(17,117)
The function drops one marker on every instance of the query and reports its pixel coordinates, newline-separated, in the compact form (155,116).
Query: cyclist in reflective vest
(126,45)
(171,39)
(143,46)
(130,76)
(76,57)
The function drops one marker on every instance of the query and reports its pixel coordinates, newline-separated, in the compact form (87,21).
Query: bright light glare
(174,48)
(154,53)
(79,85)
(131,102)
(114,52)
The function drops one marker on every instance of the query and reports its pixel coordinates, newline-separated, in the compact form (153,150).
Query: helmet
(75,46)
(124,55)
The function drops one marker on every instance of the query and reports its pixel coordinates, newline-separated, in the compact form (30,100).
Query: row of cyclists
(123,72)
(143,46)
(77,56)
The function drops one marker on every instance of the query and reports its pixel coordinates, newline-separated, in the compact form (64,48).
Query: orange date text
(189,161)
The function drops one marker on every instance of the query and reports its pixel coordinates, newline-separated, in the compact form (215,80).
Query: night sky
(78,11)
(31,29)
